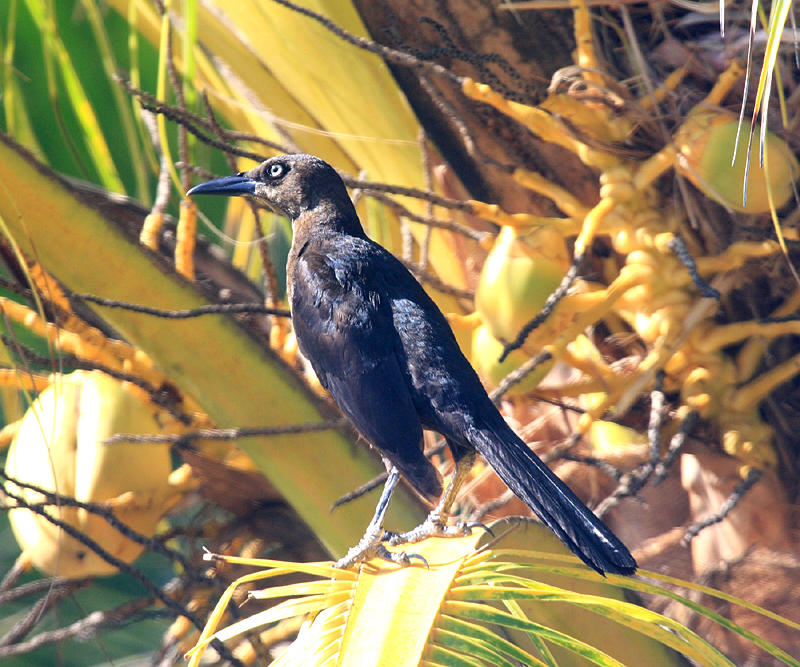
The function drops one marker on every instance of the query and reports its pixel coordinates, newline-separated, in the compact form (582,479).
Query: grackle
(387,355)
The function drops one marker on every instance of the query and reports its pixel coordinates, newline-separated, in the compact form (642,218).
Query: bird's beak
(227,185)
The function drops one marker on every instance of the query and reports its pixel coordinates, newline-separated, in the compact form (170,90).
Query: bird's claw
(431,528)
(482,526)
(399,557)
(367,547)
(371,546)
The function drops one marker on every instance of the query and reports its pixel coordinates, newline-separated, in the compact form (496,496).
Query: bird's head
(288,184)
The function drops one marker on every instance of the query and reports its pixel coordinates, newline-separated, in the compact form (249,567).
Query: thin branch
(391,55)
(439,223)
(480,62)
(726,508)
(183,144)
(121,565)
(364,489)
(681,250)
(426,277)
(370,187)
(480,512)
(688,425)
(631,483)
(215,309)
(380,480)
(199,127)
(39,586)
(84,629)
(271,277)
(108,515)
(163,396)
(549,306)
(191,122)
(657,400)
(39,609)
(517,375)
(601,464)
(225,434)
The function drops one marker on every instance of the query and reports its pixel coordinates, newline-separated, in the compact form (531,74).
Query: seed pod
(706,140)
(60,448)
(521,271)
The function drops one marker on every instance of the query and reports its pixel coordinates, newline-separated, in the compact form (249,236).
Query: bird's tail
(552,500)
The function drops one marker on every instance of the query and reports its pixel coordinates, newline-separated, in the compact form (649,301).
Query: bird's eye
(276,171)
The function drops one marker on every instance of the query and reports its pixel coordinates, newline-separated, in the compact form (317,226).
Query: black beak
(227,185)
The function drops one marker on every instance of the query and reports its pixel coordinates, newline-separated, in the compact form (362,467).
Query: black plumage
(387,355)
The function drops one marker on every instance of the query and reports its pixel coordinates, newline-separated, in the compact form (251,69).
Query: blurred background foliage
(130,101)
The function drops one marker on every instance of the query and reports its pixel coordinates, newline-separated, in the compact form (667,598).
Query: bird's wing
(346,332)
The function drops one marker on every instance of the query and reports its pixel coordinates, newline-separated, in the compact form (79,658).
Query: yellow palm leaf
(472,607)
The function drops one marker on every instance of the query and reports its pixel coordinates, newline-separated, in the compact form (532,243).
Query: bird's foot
(371,546)
(434,526)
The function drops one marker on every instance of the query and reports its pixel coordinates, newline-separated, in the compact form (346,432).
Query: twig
(371,186)
(675,445)
(726,508)
(601,464)
(479,513)
(39,609)
(268,269)
(215,309)
(84,629)
(163,396)
(681,250)
(516,376)
(449,225)
(38,586)
(152,588)
(657,400)
(424,247)
(426,277)
(379,480)
(224,433)
(392,55)
(549,306)
(103,511)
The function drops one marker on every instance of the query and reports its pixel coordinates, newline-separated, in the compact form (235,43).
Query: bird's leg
(436,523)
(372,543)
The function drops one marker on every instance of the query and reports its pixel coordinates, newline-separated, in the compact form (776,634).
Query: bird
(388,357)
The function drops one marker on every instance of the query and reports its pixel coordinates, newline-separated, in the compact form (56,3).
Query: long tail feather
(552,500)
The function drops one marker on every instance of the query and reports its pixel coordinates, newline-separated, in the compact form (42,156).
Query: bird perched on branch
(389,359)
